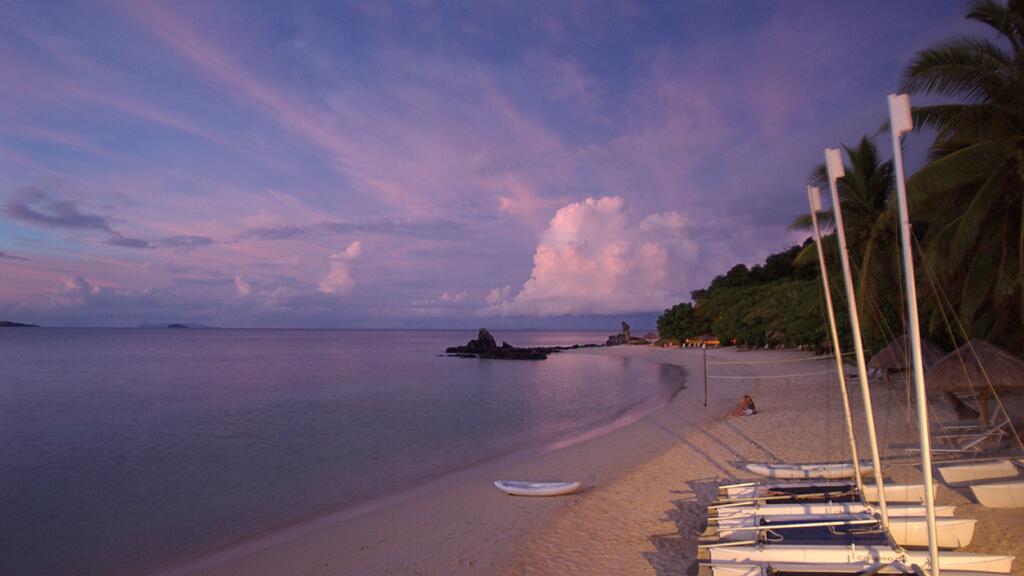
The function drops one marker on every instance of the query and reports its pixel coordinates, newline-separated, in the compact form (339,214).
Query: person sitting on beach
(745,407)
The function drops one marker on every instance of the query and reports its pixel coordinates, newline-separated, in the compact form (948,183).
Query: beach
(646,485)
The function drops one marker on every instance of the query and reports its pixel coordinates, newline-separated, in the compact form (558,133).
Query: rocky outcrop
(623,338)
(486,347)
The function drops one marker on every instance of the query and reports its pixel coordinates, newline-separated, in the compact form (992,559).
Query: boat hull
(518,488)
(975,472)
(806,471)
(831,508)
(865,555)
(951,532)
(894,493)
(1000,494)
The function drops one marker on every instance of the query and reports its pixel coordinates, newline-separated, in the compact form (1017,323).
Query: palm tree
(865,194)
(969,195)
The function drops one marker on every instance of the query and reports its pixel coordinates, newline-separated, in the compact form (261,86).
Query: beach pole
(814,197)
(834,164)
(704,349)
(900,121)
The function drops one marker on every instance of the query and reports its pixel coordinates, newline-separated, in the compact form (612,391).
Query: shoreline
(272,542)
(646,485)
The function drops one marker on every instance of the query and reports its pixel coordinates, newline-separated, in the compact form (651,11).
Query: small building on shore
(703,340)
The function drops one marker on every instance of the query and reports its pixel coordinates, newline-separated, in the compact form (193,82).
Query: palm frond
(969,68)
(976,213)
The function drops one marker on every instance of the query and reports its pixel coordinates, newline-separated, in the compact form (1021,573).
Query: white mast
(899,122)
(814,197)
(834,164)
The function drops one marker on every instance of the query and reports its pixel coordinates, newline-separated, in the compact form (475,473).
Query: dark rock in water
(9,324)
(616,340)
(622,339)
(177,326)
(625,331)
(485,346)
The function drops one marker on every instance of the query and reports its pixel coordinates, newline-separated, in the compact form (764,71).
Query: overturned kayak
(806,470)
(521,488)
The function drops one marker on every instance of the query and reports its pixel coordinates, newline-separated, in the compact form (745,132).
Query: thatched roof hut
(895,357)
(978,367)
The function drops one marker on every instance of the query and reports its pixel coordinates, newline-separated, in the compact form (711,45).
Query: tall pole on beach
(900,121)
(834,164)
(814,197)
(704,348)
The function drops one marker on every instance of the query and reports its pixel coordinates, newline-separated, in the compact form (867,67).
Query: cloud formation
(596,258)
(34,205)
(339,277)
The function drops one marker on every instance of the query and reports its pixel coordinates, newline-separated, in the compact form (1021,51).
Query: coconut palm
(865,194)
(969,195)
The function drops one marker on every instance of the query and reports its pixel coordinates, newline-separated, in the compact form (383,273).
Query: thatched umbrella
(978,367)
(896,355)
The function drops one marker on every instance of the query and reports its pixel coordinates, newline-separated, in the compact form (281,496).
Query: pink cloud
(595,258)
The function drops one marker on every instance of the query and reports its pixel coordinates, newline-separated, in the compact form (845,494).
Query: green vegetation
(967,205)
(777,303)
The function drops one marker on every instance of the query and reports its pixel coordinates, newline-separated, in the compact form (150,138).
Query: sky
(418,164)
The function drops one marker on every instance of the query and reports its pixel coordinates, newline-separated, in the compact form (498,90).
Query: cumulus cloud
(596,258)
(339,277)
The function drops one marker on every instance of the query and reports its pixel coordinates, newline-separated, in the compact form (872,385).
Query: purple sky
(558,164)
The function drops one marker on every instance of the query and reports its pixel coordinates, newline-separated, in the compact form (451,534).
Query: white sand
(646,488)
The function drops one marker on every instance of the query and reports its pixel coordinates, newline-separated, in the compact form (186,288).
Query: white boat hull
(805,471)
(519,488)
(1000,494)
(976,472)
(899,492)
(790,568)
(894,493)
(866,556)
(951,532)
(831,508)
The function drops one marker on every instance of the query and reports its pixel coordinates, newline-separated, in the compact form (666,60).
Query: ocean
(125,450)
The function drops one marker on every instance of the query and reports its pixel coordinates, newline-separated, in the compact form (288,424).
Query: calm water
(125,449)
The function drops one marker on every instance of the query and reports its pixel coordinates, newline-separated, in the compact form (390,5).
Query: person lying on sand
(745,407)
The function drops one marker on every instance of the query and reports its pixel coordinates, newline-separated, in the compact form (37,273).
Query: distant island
(164,325)
(9,324)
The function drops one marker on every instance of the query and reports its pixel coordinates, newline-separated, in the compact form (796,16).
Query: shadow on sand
(674,553)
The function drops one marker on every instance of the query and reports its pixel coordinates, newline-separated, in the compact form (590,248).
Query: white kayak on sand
(521,488)
(806,470)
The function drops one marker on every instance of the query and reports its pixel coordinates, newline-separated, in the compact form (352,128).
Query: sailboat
(878,550)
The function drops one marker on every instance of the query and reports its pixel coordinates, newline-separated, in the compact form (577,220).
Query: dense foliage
(777,303)
(967,206)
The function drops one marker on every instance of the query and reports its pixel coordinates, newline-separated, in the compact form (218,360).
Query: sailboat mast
(834,164)
(814,197)
(900,121)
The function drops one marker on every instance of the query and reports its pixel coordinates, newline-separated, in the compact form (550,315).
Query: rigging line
(977,359)
(940,295)
(770,376)
(889,335)
(754,362)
